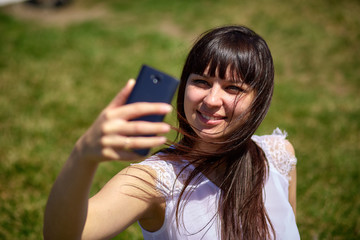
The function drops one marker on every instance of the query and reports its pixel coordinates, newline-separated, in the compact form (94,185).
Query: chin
(210,136)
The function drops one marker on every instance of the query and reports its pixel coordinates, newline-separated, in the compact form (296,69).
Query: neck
(215,173)
(208,146)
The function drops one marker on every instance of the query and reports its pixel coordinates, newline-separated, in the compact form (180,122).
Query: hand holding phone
(152,86)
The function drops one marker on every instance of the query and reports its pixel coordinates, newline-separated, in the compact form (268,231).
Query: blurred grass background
(59,68)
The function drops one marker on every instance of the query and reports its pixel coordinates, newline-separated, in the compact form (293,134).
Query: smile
(210,117)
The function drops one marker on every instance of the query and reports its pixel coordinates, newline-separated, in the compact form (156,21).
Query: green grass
(55,79)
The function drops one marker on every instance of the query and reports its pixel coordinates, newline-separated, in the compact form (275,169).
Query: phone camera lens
(155,79)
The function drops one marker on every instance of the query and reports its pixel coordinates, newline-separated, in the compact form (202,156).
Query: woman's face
(210,104)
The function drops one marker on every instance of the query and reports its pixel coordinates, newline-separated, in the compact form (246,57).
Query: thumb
(122,96)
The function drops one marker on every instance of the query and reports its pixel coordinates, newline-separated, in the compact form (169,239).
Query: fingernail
(131,82)
(166,128)
(168,108)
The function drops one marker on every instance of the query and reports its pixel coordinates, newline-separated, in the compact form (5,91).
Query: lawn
(59,68)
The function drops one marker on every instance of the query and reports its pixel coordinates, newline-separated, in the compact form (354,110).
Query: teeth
(209,118)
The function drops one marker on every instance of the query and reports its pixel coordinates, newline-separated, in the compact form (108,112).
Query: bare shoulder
(133,182)
(136,179)
(289,147)
(140,171)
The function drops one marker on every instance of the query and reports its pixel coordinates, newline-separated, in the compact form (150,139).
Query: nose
(213,98)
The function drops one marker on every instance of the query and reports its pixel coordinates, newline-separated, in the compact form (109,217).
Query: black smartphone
(152,86)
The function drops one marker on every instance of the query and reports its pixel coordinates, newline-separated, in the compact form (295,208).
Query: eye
(233,89)
(200,83)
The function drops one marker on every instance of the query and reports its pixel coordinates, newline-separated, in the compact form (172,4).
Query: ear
(122,96)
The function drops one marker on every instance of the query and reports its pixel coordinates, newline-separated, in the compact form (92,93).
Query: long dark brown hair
(241,207)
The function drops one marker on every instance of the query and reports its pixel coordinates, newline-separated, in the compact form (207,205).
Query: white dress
(198,218)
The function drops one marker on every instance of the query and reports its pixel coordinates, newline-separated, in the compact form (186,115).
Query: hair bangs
(234,60)
(224,65)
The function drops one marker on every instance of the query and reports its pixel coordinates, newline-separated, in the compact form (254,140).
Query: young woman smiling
(218,181)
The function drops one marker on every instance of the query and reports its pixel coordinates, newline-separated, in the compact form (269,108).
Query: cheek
(191,97)
(188,102)
(243,104)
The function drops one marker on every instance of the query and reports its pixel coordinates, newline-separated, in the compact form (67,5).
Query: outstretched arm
(107,139)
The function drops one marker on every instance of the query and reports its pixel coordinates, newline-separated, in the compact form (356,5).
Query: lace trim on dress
(274,147)
(167,172)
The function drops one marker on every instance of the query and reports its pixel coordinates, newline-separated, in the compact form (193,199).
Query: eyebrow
(232,80)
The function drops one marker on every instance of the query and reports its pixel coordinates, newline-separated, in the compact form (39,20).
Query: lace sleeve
(276,152)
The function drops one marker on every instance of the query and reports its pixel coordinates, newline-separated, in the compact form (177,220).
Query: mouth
(210,117)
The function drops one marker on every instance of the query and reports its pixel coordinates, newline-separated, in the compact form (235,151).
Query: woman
(218,182)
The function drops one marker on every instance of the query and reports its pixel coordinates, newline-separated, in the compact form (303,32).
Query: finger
(122,96)
(121,142)
(119,126)
(136,110)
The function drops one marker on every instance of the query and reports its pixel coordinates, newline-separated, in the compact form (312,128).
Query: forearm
(66,210)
